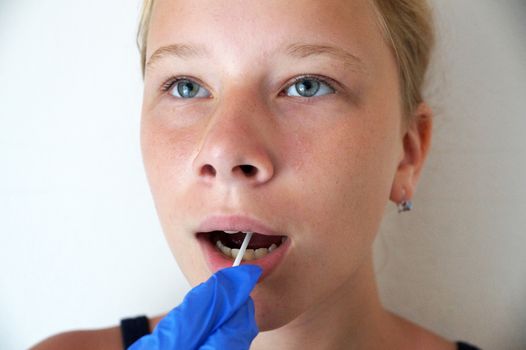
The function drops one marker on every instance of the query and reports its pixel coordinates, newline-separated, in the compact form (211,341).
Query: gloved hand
(217,314)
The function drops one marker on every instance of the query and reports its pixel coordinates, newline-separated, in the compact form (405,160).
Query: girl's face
(289,114)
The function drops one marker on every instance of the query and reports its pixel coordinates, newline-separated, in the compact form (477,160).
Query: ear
(416,140)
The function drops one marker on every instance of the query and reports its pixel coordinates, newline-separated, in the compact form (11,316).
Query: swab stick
(242,250)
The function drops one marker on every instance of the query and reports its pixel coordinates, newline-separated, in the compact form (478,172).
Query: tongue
(257,241)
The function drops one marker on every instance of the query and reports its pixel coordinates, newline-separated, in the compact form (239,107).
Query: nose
(233,148)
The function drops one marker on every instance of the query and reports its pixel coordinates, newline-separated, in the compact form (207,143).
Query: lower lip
(217,260)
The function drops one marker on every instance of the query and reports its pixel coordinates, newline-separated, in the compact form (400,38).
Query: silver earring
(405,205)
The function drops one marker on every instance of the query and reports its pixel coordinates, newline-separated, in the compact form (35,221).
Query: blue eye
(185,88)
(308,87)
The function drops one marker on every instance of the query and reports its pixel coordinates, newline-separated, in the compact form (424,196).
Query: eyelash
(329,82)
(168,84)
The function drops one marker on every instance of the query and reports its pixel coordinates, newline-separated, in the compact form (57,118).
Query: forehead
(258,28)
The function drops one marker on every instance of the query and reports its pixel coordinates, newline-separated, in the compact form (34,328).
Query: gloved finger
(237,333)
(204,309)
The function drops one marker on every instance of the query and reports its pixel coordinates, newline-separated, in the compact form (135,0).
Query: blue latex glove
(217,314)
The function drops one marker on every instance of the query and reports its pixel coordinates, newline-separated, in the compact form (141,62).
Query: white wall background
(79,239)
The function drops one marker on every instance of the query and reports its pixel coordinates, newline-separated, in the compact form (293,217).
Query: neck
(351,318)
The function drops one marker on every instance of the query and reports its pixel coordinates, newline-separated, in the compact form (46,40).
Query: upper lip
(235,223)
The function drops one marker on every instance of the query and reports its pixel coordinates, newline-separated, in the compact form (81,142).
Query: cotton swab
(242,250)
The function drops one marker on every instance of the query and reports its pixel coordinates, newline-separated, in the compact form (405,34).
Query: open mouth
(229,242)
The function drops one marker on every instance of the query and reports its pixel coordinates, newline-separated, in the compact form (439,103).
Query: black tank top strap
(465,346)
(133,328)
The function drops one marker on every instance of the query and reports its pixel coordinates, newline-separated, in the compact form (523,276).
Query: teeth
(261,252)
(231,232)
(250,254)
(235,252)
(226,250)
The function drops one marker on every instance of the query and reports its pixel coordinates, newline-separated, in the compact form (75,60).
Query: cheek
(344,179)
(167,157)
(166,154)
(168,165)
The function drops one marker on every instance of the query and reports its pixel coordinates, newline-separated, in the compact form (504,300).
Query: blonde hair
(407,26)
(143,29)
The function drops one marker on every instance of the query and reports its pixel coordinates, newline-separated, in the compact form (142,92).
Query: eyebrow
(297,50)
(183,51)
(301,50)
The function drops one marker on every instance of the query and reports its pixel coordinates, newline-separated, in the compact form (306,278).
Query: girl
(295,120)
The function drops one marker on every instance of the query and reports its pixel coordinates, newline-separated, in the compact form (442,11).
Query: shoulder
(98,339)
(413,336)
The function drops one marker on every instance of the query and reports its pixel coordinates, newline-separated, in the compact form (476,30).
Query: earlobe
(416,143)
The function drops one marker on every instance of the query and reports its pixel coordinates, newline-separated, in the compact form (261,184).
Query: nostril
(208,170)
(248,170)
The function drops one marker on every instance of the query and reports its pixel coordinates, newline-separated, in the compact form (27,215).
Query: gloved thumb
(237,333)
